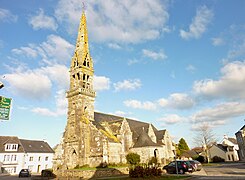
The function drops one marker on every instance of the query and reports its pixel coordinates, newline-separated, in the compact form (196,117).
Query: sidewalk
(3,174)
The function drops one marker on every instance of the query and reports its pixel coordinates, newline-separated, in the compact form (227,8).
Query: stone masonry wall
(86,174)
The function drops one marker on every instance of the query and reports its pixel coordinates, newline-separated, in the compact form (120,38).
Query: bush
(216,159)
(152,161)
(201,159)
(102,165)
(133,158)
(140,171)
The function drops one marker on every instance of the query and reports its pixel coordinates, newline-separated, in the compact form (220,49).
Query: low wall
(86,174)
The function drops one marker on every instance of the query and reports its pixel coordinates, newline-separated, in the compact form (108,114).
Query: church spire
(81,70)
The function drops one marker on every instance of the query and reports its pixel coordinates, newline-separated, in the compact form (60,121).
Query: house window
(229,158)
(14,147)
(31,158)
(46,158)
(39,158)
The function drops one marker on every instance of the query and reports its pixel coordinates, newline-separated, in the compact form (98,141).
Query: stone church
(90,137)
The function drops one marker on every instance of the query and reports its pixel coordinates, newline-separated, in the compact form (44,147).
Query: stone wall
(86,174)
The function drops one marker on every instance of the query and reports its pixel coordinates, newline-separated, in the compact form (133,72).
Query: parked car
(24,173)
(197,166)
(183,167)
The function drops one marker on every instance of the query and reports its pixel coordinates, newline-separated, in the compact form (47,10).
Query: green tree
(133,158)
(182,146)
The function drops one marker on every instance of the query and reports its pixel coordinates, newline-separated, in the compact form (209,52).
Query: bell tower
(80,97)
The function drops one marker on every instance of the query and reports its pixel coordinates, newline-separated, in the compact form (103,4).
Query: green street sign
(5,104)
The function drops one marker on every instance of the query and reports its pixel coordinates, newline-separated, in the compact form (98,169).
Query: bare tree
(205,138)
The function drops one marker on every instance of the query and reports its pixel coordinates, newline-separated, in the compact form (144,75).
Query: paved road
(223,171)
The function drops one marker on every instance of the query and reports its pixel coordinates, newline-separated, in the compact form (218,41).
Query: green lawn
(167,177)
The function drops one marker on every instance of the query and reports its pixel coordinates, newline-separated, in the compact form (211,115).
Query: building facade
(17,154)
(240,136)
(92,138)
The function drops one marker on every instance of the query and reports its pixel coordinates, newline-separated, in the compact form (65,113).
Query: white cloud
(130,84)
(61,106)
(177,101)
(199,23)
(114,46)
(30,84)
(218,41)
(7,16)
(27,51)
(238,50)
(219,113)
(154,55)
(101,83)
(230,84)
(41,21)
(57,48)
(147,105)
(115,20)
(54,50)
(133,61)
(58,74)
(37,83)
(191,68)
(172,119)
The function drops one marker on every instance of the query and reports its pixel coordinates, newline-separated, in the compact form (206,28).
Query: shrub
(133,158)
(201,159)
(152,161)
(102,165)
(217,159)
(140,171)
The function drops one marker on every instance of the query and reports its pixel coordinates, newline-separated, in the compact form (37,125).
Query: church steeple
(81,70)
(81,96)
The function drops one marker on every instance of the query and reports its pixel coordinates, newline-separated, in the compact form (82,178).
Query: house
(240,136)
(17,154)
(226,152)
(91,138)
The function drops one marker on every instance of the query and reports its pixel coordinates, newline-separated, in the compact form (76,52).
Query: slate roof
(222,147)
(144,140)
(189,153)
(32,146)
(27,146)
(233,140)
(137,127)
(11,140)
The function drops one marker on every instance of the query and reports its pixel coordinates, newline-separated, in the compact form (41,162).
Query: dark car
(197,166)
(25,173)
(183,167)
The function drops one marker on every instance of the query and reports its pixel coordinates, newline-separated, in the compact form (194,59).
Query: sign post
(5,105)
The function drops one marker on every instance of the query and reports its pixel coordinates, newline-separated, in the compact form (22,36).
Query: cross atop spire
(84,6)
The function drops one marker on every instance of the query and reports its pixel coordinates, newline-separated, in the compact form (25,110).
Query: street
(219,171)
(222,171)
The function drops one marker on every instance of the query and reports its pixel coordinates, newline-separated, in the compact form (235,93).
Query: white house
(17,154)
(228,149)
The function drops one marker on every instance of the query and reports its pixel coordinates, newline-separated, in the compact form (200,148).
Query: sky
(179,65)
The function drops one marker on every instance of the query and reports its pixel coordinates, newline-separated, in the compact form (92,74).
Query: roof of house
(222,147)
(233,140)
(138,128)
(32,146)
(9,140)
(27,146)
(189,153)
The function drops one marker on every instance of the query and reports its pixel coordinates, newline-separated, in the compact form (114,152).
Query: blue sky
(177,64)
